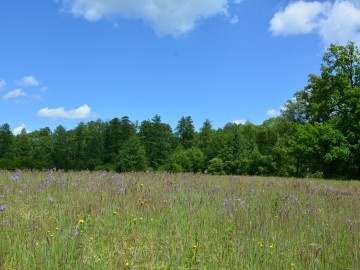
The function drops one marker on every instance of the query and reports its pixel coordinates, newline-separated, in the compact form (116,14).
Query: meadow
(104,220)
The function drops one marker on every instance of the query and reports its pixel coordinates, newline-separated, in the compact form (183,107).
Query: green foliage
(131,156)
(185,132)
(6,141)
(216,166)
(186,160)
(330,103)
(156,138)
(318,135)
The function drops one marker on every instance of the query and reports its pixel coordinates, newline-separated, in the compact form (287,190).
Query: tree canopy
(318,135)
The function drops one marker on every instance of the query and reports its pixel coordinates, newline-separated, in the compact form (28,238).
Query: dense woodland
(318,135)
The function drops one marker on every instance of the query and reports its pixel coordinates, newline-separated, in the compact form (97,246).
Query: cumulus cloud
(272,112)
(164,16)
(79,113)
(239,121)
(18,130)
(28,81)
(2,84)
(15,94)
(335,22)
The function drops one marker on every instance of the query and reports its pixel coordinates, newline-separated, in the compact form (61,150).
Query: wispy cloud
(14,94)
(164,16)
(28,81)
(335,22)
(239,121)
(272,112)
(2,84)
(80,113)
(19,129)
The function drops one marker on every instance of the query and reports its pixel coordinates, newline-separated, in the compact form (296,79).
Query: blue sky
(66,61)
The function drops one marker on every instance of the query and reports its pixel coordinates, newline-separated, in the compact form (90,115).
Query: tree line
(317,135)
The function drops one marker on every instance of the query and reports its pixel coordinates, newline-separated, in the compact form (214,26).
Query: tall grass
(100,220)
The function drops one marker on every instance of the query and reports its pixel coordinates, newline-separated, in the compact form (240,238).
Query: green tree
(333,98)
(185,132)
(95,143)
(156,138)
(204,138)
(6,141)
(216,166)
(186,160)
(112,137)
(60,151)
(41,143)
(22,151)
(131,156)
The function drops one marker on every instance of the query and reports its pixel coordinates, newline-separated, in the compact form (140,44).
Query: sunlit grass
(100,220)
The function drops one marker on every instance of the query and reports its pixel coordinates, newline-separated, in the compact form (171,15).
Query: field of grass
(100,220)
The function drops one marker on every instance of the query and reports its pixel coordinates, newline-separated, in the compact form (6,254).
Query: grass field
(100,220)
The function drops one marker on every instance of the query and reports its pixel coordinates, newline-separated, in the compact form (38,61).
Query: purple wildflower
(231,214)
(6,223)
(3,207)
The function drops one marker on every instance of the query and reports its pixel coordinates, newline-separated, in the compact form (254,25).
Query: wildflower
(271,246)
(6,223)
(3,207)
(231,214)
(57,228)
(114,213)
(81,221)
(127,264)
(51,199)
(195,247)
(141,185)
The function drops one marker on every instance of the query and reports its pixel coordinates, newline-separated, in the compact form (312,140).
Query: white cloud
(239,122)
(79,113)
(44,89)
(342,23)
(2,84)
(166,17)
(18,129)
(336,22)
(14,94)
(297,18)
(234,19)
(272,112)
(28,81)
